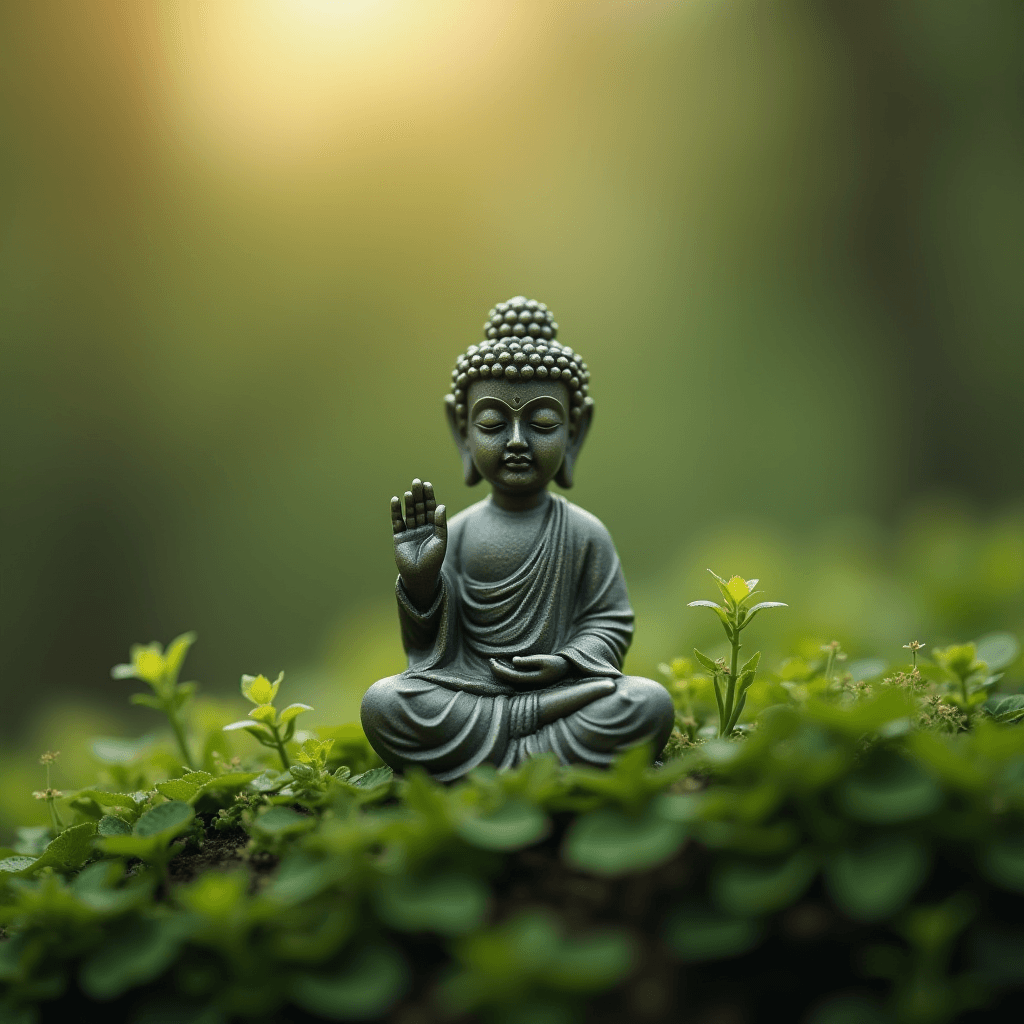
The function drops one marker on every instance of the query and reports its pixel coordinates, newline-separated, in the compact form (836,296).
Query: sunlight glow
(276,80)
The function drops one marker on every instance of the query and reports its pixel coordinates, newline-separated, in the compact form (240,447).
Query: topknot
(519,344)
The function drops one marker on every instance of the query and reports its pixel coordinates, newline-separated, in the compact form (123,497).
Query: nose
(517,441)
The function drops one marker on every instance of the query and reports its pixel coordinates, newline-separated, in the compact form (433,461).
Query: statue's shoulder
(585,524)
(458,521)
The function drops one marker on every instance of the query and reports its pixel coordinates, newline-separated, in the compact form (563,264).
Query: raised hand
(421,539)
(531,671)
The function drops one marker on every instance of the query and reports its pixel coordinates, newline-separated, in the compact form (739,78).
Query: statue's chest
(493,548)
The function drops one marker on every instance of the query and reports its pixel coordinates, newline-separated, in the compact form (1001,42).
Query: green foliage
(731,681)
(160,669)
(268,724)
(852,809)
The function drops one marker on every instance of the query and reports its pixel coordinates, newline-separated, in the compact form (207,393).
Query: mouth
(517,461)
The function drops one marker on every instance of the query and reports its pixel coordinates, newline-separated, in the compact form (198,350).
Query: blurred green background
(242,242)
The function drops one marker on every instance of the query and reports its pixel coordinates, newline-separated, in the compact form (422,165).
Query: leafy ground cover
(824,842)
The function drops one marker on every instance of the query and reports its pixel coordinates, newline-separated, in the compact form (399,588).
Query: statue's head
(519,410)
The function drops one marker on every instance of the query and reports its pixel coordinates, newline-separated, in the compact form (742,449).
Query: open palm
(421,539)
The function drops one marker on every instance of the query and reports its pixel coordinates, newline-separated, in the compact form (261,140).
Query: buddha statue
(514,614)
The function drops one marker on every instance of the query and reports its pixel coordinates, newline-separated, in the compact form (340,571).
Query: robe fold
(448,713)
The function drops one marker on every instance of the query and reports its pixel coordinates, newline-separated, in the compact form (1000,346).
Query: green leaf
(184,692)
(891,789)
(699,935)
(165,820)
(147,700)
(1007,709)
(737,588)
(372,980)
(16,865)
(33,839)
(148,662)
(283,821)
(111,825)
(723,586)
(137,954)
(872,882)
(268,781)
(751,665)
(959,659)
(105,799)
(592,962)
(717,609)
(264,713)
(230,783)
(706,662)
(217,895)
(70,850)
(293,711)
(373,778)
(175,654)
(301,877)
(998,650)
(1003,862)
(187,788)
(757,887)
(609,842)
(514,825)
(153,833)
(751,612)
(259,689)
(448,904)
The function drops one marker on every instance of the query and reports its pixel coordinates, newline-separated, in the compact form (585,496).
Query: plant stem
(721,706)
(58,825)
(726,715)
(279,743)
(54,820)
(179,732)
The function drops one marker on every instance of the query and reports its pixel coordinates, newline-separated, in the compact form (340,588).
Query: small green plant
(269,722)
(50,795)
(731,681)
(969,675)
(834,654)
(151,837)
(310,774)
(914,646)
(160,669)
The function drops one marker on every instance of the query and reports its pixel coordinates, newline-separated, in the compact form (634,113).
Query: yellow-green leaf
(264,713)
(176,651)
(737,588)
(293,711)
(259,689)
(148,662)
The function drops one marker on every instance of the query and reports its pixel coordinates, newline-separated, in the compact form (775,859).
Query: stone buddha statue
(514,614)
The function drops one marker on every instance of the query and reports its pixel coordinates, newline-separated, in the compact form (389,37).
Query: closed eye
(546,421)
(490,426)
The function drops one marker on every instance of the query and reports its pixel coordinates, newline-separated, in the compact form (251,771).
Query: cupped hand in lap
(531,671)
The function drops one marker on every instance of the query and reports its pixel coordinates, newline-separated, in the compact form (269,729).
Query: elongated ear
(470,474)
(564,475)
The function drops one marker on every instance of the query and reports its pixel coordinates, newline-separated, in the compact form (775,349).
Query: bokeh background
(242,242)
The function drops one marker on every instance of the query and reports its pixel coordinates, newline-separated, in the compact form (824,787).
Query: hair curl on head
(519,344)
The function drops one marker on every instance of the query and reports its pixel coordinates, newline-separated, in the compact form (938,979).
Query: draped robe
(448,712)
